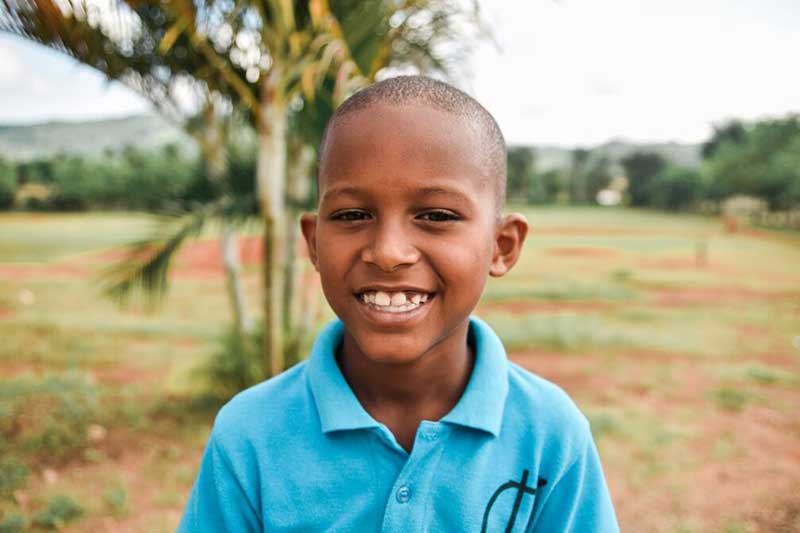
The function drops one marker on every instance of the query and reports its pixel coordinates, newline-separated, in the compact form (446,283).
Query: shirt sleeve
(579,502)
(218,502)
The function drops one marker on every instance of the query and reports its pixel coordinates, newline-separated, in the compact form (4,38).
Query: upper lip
(391,288)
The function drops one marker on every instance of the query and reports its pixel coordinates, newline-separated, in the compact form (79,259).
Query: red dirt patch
(590,230)
(582,252)
(135,459)
(123,375)
(675,263)
(197,259)
(16,273)
(527,306)
(714,295)
(766,464)
(579,376)
(724,466)
(196,254)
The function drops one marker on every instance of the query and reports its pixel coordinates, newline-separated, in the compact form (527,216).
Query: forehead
(403,147)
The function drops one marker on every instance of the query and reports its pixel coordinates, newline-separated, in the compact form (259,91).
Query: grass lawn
(680,342)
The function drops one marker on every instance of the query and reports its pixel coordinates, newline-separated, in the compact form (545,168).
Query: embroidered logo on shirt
(522,489)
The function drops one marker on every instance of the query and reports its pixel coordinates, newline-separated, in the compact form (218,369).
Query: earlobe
(308,225)
(509,238)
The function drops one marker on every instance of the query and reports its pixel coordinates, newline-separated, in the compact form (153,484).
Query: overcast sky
(567,72)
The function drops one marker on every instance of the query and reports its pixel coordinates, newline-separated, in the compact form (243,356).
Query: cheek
(334,255)
(465,261)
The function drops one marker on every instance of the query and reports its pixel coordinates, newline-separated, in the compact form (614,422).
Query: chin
(391,349)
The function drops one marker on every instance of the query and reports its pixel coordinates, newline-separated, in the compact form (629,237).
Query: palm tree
(124,42)
(270,58)
(283,49)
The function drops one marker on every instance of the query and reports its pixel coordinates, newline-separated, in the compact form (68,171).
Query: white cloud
(571,71)
(11,73)
(38,84)
(581,72)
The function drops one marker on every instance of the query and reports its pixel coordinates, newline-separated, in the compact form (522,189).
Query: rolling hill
(92,138)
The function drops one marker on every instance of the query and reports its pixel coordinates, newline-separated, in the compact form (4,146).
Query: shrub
(676,189)
(60,511)
(731,399)
(13,476)
(116,500)
(48,416)
(13,523)
(8,185)
(235,366)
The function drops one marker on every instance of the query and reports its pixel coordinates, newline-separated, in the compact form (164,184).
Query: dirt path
(741,466)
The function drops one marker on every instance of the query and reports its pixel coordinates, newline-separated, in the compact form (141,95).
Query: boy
(407,416)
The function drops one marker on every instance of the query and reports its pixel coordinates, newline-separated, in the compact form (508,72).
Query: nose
(389,247)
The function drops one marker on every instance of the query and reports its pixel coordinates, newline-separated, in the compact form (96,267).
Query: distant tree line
(130,179)
(761,160)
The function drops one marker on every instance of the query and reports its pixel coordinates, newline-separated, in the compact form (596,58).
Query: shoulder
(549,401)
(545,412)
(265,409)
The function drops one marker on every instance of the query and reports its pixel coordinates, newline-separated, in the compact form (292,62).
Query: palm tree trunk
(230,258)
(271,175)
(214,145)
(298,174)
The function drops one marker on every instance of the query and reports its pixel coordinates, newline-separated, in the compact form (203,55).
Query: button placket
(406,509)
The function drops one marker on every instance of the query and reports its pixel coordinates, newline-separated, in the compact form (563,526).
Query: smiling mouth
(395,302)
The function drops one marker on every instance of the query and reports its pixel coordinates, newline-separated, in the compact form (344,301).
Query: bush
(116,500)
(235,366)
(77,184)
(764,163)
(8,185)
(48,416)
(13,476)
(676,189)
(14,523)
(152,181)
(61,510)
(642,169)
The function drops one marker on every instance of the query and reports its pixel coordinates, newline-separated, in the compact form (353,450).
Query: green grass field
(680,342)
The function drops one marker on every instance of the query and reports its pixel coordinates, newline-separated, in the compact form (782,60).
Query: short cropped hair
(444,97)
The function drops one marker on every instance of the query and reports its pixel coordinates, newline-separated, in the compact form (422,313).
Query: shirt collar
(337,406)
(480,407)
(483,402)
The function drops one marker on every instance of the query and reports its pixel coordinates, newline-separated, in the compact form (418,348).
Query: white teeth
(394,302)
(382,298)
(398,299)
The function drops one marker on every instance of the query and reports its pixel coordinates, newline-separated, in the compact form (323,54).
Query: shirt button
(403,494)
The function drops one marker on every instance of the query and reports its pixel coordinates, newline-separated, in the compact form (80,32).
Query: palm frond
(146,264)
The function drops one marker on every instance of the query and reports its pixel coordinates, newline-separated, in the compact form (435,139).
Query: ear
(509,238)
(308,225)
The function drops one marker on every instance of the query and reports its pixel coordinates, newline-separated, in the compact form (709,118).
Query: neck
(424,389)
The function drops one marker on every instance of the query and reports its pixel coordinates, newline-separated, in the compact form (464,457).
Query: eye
(351,215)
(438,215)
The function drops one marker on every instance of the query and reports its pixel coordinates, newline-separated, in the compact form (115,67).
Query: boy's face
(407,230)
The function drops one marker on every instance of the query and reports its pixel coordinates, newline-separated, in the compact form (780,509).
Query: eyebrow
(433,191)
(330,194)
(424,191)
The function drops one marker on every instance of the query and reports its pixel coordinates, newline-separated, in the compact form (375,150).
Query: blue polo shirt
(299,453)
